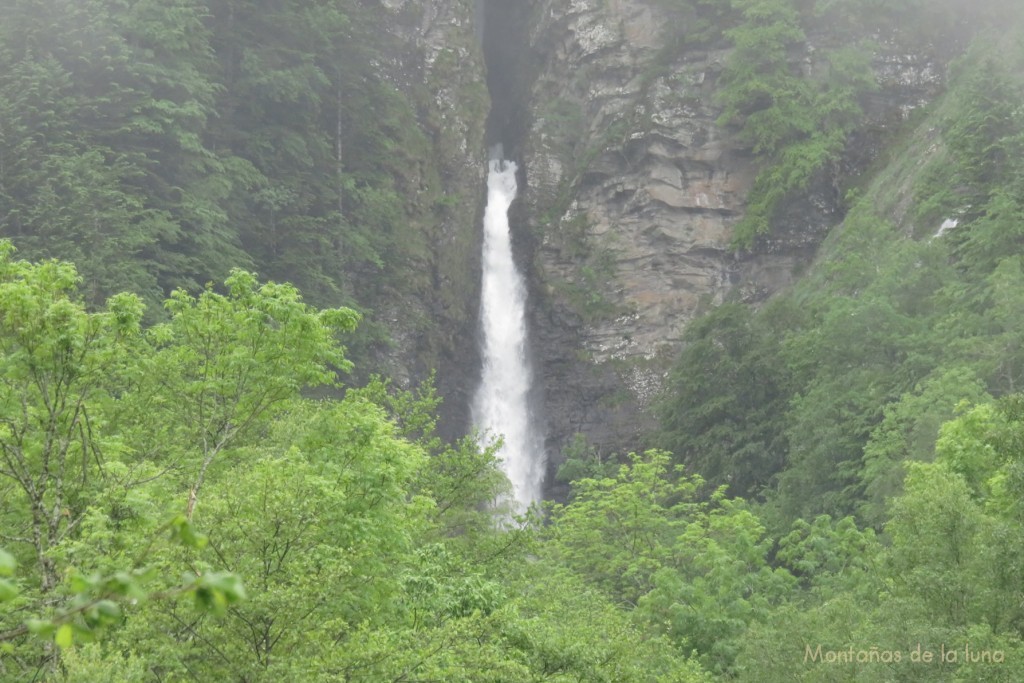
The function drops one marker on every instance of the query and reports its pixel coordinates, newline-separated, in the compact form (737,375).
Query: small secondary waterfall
(502,405)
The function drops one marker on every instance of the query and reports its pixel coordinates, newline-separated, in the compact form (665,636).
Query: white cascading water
(502,405)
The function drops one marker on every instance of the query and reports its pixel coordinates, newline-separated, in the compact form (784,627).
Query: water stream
(502,403)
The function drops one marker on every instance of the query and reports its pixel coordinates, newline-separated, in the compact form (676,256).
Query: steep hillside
(338,146)
(681,154)
(818,400)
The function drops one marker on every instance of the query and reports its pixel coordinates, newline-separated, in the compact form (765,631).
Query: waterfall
(502,404)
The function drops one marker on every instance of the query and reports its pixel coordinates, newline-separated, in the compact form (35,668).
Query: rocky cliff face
(629,196)
(439,65)
(632,190)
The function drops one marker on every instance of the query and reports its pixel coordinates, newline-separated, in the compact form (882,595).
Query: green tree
(795,123)
(62,192)
(106,425)
(61,367)
(617,532)
(235,360)
(315,521)
(908,431)
(726,395)
(695,571)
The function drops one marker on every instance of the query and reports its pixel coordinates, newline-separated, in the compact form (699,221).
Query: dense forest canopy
(192,488)
(158,144)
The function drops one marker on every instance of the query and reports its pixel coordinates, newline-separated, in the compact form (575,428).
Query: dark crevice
(509,61)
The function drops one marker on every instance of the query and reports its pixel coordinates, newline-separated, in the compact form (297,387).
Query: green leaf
(65,637)
(8,591)
(81,583)
(7,563)
(217,590)
(40,627)
(183,532)
(103,613)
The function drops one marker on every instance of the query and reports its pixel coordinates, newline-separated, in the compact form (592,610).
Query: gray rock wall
(632,191)
(432,315)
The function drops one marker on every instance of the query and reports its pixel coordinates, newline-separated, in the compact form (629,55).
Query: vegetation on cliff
(797,76)
(909,310)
